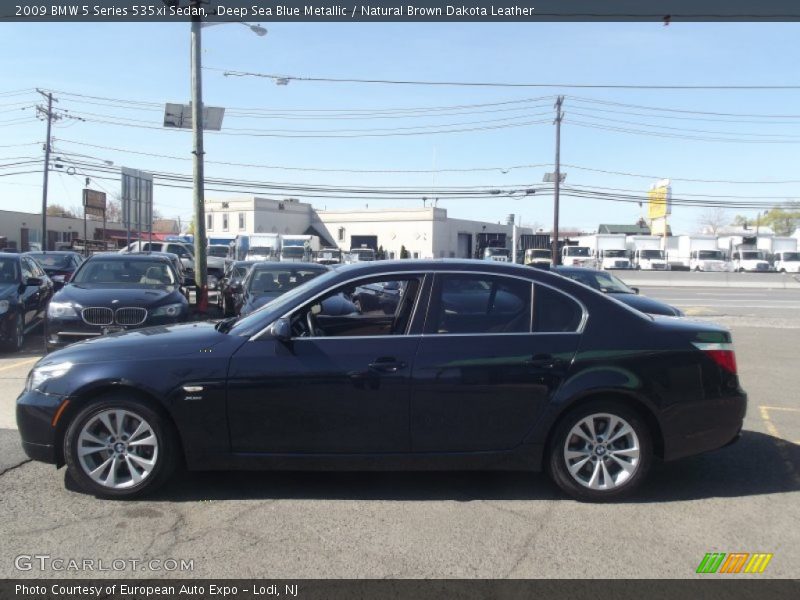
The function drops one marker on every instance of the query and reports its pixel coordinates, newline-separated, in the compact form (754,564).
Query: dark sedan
(60,266)
(267,280)
(607,283)
(114,292)
(556,376)
(235,272)
(25,291)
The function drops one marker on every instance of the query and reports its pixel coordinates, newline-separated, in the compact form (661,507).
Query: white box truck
(781,252)
(698,253)
(577,256)
(744,253)
(607,250)
(646,252)
(258,246)
(298,248)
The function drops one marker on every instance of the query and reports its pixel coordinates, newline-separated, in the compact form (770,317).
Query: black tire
(167,457)
(16,343)
(557,462)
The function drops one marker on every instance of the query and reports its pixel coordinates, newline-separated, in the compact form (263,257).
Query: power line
(688,179)
(290,78)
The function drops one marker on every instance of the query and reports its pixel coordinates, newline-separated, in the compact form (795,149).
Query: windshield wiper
(225,325)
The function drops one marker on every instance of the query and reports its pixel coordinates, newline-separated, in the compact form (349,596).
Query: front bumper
(35,412)
(62,332)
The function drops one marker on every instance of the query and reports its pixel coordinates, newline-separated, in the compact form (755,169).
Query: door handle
(545,361)
(387,365)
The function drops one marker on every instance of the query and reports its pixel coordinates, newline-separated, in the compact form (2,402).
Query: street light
(200,258)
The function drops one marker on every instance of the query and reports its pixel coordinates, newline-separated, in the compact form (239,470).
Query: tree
(404,253)
(783,221)
(713,220)
(56,210)
(113,211)
(190,228)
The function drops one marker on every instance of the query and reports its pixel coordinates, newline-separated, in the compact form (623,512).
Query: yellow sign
(659,200)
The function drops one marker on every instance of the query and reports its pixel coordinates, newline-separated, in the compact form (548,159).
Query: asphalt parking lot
(744,498)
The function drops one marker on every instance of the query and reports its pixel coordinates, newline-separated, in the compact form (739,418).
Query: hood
(647,305)
(256,301)
(166,341)
(114,297)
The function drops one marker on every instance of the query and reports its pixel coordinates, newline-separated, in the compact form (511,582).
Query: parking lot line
(21,363)
(781,443)
(781,408)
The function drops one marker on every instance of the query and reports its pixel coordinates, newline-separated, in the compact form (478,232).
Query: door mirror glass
(33,282)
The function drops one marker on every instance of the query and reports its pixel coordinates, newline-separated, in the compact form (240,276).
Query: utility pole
(559,117)
(50,118)
(200,262)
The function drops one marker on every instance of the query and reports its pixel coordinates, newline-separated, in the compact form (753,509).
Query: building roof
(635,229)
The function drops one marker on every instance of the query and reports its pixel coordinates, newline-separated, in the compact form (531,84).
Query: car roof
(42,252)
(135,256)
(446,264)
(268,265)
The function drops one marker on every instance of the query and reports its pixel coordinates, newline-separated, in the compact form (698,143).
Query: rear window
(555,312)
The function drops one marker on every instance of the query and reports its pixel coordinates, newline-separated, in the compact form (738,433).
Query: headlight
(41,374)
(62,310)
(168,310)
(3,307)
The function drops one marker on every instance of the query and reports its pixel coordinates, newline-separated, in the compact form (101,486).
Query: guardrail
(704,279)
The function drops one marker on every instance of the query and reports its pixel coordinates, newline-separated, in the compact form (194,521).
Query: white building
(423,232)
(22,229)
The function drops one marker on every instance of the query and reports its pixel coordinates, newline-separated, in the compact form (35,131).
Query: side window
(369,307)
(177,249)
(480,304)
(555,312)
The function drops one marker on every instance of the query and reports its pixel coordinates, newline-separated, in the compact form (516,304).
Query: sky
(149,63)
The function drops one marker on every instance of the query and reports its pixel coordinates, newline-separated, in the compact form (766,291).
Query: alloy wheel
(117,449)
(602,451)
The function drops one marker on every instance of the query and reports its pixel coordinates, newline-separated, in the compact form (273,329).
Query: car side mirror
(58,282)
(281,330)
(635,290)
(33,282)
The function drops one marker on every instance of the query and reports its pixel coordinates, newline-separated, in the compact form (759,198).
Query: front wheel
(119,447)
(600,452)
(16,338)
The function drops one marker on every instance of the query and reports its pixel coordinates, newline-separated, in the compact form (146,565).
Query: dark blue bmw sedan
(479,366)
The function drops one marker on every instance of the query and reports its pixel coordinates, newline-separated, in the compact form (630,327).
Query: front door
(340,385)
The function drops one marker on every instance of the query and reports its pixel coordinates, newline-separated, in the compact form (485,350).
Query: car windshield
(791,256)
(652,254)
(101,272)
(750,255)
(293,251)
(577,251)
(605,282)
(218,251)
(538,253)
(279,281)
(260,251)
(53,261)
(9,271)
(709,255)
(496,252)
(615,253)
(258,319)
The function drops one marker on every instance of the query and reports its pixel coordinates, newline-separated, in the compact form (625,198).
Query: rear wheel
(119,447)
(600,452)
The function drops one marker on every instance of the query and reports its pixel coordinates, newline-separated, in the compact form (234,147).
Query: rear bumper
(717,424)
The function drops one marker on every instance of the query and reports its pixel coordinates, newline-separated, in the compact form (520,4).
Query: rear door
(493,354)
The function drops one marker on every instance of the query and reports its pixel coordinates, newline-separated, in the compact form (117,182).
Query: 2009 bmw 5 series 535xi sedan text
(480,366)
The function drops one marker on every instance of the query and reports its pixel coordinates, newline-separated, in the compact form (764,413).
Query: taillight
(722,354)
